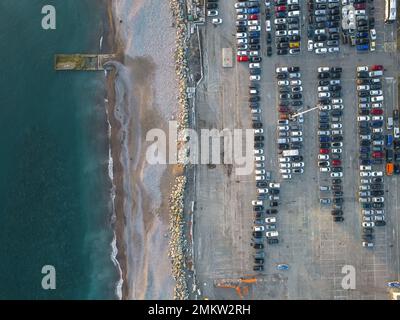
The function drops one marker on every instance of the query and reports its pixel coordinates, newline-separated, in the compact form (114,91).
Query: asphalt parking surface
(315,247)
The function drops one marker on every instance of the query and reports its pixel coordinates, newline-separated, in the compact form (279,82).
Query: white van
(389,123)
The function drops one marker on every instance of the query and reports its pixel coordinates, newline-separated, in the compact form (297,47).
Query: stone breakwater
(176,244)
(176,218)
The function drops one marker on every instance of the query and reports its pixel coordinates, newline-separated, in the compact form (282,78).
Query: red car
(283,109)
(242,58)
(360,6)
(253,17)
(377,111)
(377,154)
(376,67)
(323,151)
(280,8)
(336,162)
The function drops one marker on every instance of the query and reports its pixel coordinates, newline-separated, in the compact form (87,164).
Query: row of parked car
(248,33)
(359,29)
(372,141)
(287,25)
(330,137)
(323,26)
(289,128)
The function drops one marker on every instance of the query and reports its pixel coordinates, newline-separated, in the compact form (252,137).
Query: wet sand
(142,97)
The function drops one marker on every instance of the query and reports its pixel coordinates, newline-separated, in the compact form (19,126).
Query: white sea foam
(114,251)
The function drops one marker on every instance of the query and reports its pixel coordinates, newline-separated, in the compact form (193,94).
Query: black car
(259,138)
(258,208)
(336,187)
(337,193)
(377,180)
(282,45)
(258,268)
(378,205)
(296,96)
(367,237)
(281,76)
(337,169)
(337,138)
(294,69)
(337,200)
(377,193)
(296,103)
(257,125)
(335,87)
(323,82)
(254,98)
(269,37)
(259,261)
(271,211)
(254,41)
(297,158)
(255,59)
(258,145)
(337,212)
(338,219)
(269,51)
(324,145)
(283,146)
(257,245)
(254,72)
(257,234)
(323,75)
(241,29)
(367,230)
(273,204)
(254,47)
(380,223)
(212,5)
(365,143)
(272,241)
(281,52)
(377,186)
(335,75)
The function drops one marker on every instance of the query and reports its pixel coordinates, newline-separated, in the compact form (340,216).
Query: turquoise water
(54,187)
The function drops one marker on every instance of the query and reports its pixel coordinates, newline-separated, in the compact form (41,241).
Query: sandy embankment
(145,91)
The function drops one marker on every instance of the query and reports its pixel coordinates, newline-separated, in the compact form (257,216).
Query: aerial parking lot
(325,190)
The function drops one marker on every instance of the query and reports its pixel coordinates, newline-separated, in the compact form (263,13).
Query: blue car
(363,47)
(389,140)
(253,10)
(362,34)
(394,284)
(282,267)
(254,34)
(376,124)
(365,149)
(324,139)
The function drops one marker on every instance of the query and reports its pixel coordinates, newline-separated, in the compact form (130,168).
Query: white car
(337,107)
(323,69)
(362,68)
(262,190)
(242,41)
(377,99)
(365,174)
(310,45)
(283,83)
(258,228)
(254,28)
(259,158)
(295,82)
(324,94)
(297,164)
(212,13)
(241,17)
(363,118)
(363,87)
(270,220)
(281,69)
(324,169)
(365,168)
(377,118)
(377,174)
(377,105)
(271,234)
(323,157)
(242,53)
(255,78)
(321,50)
(284,159)
(320,31)
(336,174)
(325,107)
(372,33)
(368,224)
(285,165)
(376,92)
(267,25)
(334,101)
(334,82)
(333,49)
(280,33)
(318,45)
(296,133)
(274,185)
(257,203)
(216,21)
(252,23)
(295,13)
(259,172)
(285,171)
(286,176)
(336,126)
(254,53)
(254,65)
(297,89)
(283,128)
(258,131)
(378,199)
(280,21)
(293,2)
(367,244)
(293,32)
(321,88)
(337,132)
(337,150)
(258,151)
(241,35)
